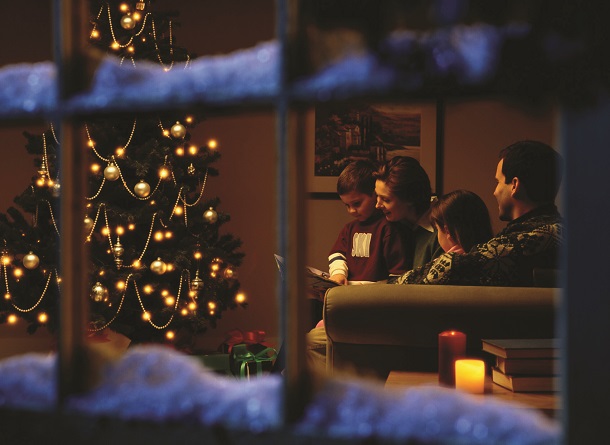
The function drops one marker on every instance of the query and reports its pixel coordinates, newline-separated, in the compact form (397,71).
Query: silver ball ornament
(111,172)
(56,190)
(31,261)
(142,189)
(178,130)
(158,266)
(210,216)
(99,293)
(127,22)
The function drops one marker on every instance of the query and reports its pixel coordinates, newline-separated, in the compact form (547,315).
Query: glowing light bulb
(95,168)
(212,305)
(169,301)
(120,152)
(136,15)
(184,312)
(170,335)
(90,143)
(240,297)
(115,46)
(120,285)
(6,260)
(131,227)
(179,151)
(192,306)
(193,149)
(124,7)
(7,296)
(197,255)
(168,234)
(148,289)
(18,273)
(136,264)
(11,319)
(95,34)
(166,133)
(105,231)
(178,210)
(120,230)
(131,49)
(40,182)
(213,144)
(42,317)
(146,316)
(158,235)
(163,172)
(189,119)
(170,267)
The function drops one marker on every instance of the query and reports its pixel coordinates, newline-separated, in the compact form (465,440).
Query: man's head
(528,176)
(403,189)
(356,188)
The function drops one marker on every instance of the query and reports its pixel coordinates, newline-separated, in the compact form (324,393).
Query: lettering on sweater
(361,245)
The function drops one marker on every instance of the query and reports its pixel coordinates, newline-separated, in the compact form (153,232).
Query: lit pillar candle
(451,346)
(470,375)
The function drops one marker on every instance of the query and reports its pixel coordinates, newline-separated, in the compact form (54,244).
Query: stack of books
(525,365)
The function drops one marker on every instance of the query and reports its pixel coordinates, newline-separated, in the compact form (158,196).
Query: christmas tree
(160,269)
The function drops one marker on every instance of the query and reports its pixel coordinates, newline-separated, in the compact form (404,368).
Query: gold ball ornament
(111,172)
(229,273)
(196,283)
(210,216)
(31,261)
(142,189)
(88,223)
(158,266)
(178,130)
(128,22)
(118,250)
(99,293)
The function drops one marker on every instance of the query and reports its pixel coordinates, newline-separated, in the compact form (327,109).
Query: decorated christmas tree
(160,271)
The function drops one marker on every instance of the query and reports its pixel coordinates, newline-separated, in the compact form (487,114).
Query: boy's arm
(337,267)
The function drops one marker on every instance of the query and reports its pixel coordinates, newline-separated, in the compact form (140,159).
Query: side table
(549,402)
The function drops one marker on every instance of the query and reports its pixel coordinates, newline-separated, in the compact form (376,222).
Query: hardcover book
(522,347)
(531,366)
(525,383)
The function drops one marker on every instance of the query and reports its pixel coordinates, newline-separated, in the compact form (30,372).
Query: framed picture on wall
(346,132)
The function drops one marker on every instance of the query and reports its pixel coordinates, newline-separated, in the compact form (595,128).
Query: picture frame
(345,132)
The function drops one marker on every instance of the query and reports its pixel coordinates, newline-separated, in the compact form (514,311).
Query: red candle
(451,346)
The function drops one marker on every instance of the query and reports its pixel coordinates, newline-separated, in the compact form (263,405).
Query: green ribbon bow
(241,354)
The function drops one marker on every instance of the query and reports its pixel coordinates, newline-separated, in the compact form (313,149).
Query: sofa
(376,328)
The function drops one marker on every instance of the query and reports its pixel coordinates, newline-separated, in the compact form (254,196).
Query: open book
(318,282)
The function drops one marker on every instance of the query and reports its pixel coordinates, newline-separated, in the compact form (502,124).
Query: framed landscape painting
(379,132)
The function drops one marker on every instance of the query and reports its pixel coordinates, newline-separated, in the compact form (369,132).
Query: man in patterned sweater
(528,178)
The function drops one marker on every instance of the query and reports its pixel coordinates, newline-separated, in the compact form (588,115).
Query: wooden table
(548,402)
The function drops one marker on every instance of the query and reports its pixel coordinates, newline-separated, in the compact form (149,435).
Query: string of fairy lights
(181,304)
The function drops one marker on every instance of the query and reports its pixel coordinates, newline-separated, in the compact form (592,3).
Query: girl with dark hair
(462,221)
